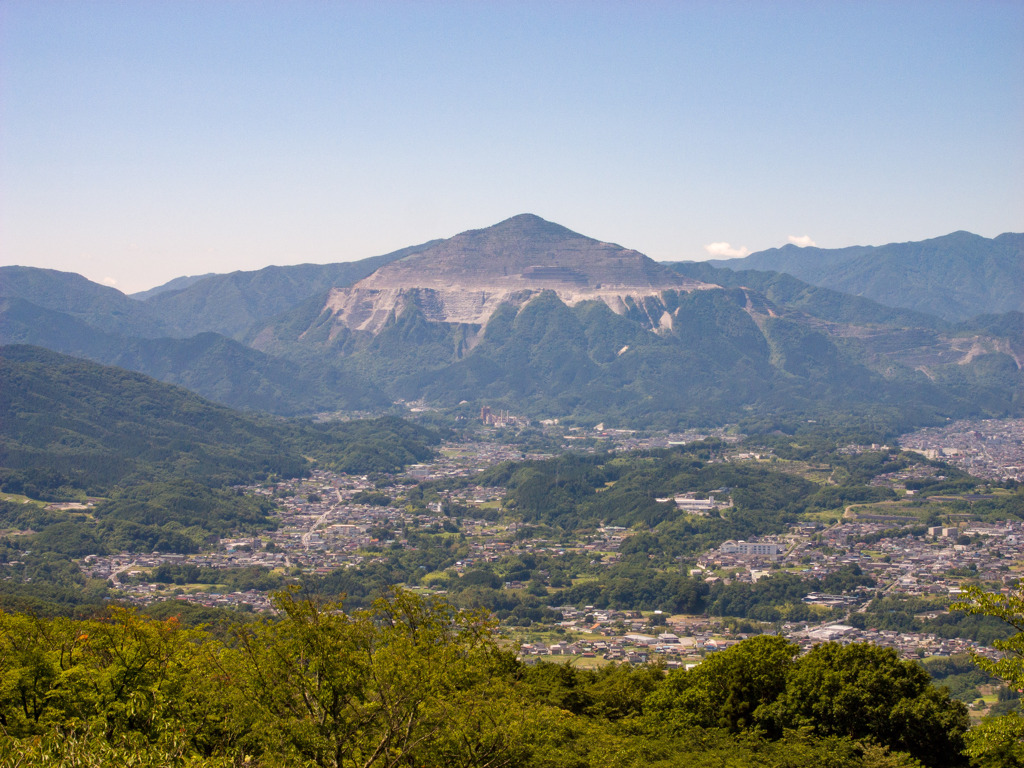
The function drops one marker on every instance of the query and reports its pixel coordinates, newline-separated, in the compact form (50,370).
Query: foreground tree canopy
(413,682)
(999,741)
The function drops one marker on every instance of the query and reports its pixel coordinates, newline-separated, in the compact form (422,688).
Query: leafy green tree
(409,680)
(1009,608)
(728,690)
(865,692)
(619,691)
(122,675)
(998,742)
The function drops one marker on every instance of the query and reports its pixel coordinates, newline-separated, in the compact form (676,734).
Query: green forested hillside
(68,423)
(211,365)
(972,367)
(222,370)
(69,426)
(101,307)
(410,682)
(385,444)
(591,490)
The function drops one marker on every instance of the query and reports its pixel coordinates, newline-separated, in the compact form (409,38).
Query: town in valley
(330,521)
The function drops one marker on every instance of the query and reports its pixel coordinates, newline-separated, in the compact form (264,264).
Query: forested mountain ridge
(231,304)
(228,304)
(177,284)
(978,360)
(955,277)
(99,306)
(785,290)
(178,335)
(209,364)
(530,316)
(71,426)
(68,423)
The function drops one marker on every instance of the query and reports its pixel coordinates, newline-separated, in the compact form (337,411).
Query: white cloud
(109,281)
(725,249)
(803,240)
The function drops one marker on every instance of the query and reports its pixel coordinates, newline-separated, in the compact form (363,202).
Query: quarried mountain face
(466,278)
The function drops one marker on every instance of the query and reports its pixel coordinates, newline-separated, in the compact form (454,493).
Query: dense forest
(411,681)
(71,428)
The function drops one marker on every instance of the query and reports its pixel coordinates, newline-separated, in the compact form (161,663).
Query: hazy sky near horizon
(140,141)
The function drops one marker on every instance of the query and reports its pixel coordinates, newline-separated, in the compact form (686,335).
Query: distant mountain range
(232,304)
(954,277)
(209,364)
(531,316)
(181,332)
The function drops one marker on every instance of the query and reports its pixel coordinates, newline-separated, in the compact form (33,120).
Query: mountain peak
(464,278)
(522,252)
(529,224)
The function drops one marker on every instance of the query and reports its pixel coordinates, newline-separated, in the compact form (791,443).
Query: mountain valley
(602,459)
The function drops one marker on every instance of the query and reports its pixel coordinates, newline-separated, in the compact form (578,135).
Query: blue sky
(140,141)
